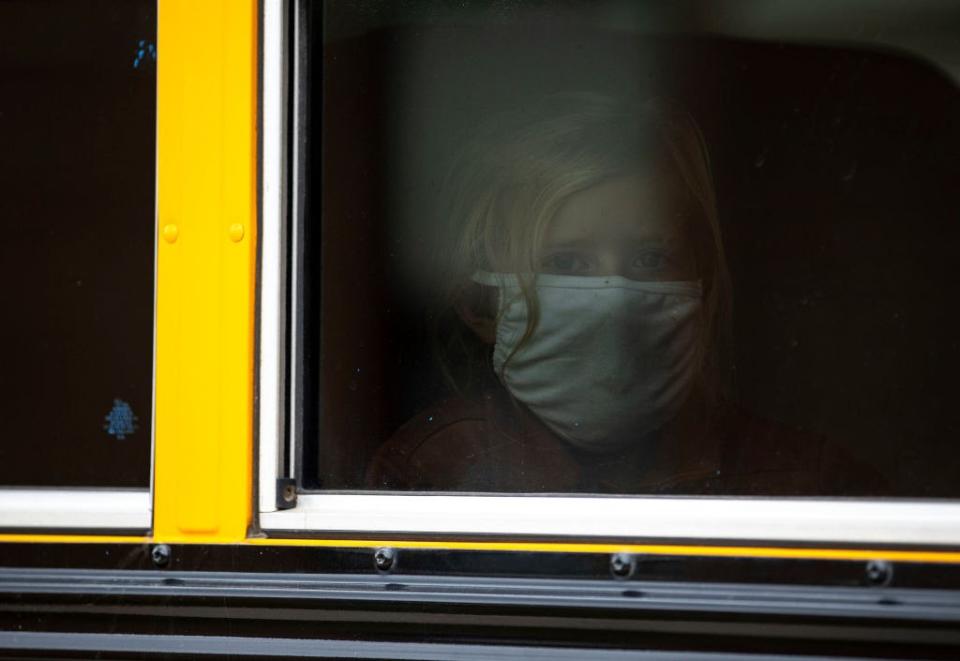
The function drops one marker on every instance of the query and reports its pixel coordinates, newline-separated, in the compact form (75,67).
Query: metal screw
(160,554)
(879,572)
(383,559)
(289,493)
(621,565)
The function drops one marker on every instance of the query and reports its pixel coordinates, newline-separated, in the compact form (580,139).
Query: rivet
(170,233)
(236,232)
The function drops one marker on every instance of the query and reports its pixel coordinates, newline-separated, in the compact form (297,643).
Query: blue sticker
(121,422)
(145,49)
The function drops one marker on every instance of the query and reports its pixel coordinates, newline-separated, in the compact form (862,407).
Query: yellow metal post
(206,77)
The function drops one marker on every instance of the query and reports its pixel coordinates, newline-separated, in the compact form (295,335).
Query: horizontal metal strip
(280,559)
(249,646)
(533,596)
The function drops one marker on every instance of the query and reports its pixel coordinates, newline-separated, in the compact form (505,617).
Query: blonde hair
(510,179)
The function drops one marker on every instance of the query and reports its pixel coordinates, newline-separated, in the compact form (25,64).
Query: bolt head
(879,572)
(621,565)
(383,559)
(160,554)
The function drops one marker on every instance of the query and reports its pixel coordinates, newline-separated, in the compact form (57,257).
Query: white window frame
(741,520)
(271,354)
(75,509)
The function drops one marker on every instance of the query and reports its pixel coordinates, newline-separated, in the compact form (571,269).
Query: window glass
(633,248)
(77,136)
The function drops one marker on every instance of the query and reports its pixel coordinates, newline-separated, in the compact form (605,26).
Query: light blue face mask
(611,359)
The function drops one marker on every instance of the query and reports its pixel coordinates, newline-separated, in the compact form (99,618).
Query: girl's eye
(651,260)
(565,262)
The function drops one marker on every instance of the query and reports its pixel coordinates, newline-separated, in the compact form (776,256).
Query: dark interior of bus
(78,144)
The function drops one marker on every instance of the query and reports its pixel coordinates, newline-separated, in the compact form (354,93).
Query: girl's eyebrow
(589,241)
(638,236)
(566,244)
(666,239)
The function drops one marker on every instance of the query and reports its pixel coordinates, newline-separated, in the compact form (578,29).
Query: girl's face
(632,226)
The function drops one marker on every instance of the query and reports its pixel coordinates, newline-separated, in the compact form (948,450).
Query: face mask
(611,359)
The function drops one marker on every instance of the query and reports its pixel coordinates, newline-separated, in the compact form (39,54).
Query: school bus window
(77,125)
(625,248)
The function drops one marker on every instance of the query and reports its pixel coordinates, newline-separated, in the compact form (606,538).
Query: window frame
(75,509)
(271,285)
(697,519)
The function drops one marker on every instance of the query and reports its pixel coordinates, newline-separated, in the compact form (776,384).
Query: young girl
(586,318)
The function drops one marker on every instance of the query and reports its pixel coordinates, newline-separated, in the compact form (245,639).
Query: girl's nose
(613,263)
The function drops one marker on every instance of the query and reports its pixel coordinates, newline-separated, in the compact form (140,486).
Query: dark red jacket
(495,445)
